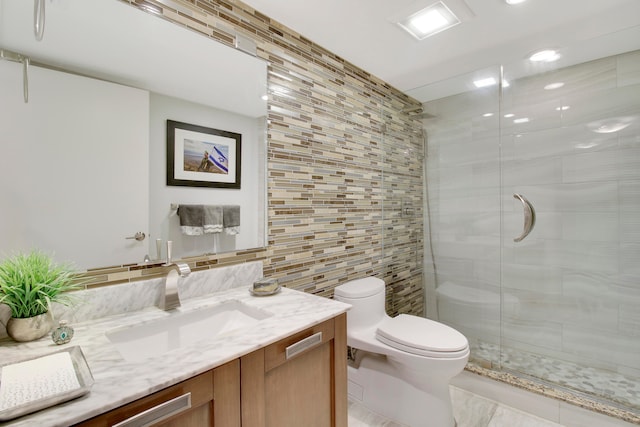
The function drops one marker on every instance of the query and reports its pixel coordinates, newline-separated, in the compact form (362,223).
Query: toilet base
(375,384)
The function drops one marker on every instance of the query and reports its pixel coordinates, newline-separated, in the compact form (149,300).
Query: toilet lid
(421,336)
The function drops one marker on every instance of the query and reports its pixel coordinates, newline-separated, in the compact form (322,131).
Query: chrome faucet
(171,297)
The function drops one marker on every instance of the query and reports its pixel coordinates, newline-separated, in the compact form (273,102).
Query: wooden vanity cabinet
(298,381)
(214,401)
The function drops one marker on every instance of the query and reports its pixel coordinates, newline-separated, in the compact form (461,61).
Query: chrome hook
(38,19)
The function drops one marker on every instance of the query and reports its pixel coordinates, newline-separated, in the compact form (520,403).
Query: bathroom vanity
(262,388)
(280,362)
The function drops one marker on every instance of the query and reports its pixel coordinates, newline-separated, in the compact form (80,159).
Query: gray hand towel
(231,219)
(212,219)
(191,219)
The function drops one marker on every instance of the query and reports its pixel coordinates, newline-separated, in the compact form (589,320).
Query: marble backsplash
(96,303)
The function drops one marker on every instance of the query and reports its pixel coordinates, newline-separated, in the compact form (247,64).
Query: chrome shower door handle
(529,217)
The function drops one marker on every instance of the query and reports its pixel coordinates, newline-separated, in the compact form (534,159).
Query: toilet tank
(367,299)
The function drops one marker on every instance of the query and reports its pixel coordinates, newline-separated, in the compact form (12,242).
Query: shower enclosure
(553,151)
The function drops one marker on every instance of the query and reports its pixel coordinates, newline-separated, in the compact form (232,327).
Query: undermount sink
(182,329)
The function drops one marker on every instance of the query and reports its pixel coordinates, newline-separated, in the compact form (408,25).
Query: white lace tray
(37,383)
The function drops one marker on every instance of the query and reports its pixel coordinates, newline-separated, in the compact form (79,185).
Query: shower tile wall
(343,157)
(571,290)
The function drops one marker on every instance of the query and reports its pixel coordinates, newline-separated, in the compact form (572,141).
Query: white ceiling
(361,32)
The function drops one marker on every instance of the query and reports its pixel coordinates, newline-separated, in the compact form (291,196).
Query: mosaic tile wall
(345,165)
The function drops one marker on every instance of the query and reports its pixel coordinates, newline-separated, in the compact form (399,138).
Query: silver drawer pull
(529,217)
(303,345)
(158,413)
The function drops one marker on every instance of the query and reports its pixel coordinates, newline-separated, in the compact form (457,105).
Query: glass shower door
(570,145)
(561,304)
(462,212)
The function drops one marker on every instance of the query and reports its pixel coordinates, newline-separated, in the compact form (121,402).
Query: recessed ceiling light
(487,115)
(514,1)
(547,55)
(563,108)
(509,115)
(552,86)
(429,21)
(489,81)
(522,120)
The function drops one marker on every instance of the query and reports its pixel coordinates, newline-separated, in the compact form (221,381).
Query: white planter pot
(30,328)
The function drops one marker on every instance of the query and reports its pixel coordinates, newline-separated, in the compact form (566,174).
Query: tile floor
(608,385)
(470,410)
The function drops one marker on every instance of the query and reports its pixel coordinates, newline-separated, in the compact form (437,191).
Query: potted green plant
(29,283)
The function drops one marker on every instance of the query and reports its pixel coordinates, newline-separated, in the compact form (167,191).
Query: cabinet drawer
(199,388)
(297,344)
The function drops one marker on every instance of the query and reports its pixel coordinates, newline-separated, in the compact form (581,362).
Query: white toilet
(402,365)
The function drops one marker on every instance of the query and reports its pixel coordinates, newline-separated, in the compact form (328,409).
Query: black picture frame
(198,156)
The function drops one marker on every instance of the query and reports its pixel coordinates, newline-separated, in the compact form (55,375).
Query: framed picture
(198,156)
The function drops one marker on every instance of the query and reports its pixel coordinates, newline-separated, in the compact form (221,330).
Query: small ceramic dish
(265,287)
(259,293)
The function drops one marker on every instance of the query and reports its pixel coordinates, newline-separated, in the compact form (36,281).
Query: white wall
(164,222)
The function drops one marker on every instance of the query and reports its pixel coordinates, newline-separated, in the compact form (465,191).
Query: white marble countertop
(118,381)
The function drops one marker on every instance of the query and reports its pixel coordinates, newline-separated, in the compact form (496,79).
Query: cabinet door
(298,393)
(298,381)
(226,394)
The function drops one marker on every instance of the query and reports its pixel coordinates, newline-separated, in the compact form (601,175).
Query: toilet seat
(423,337)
